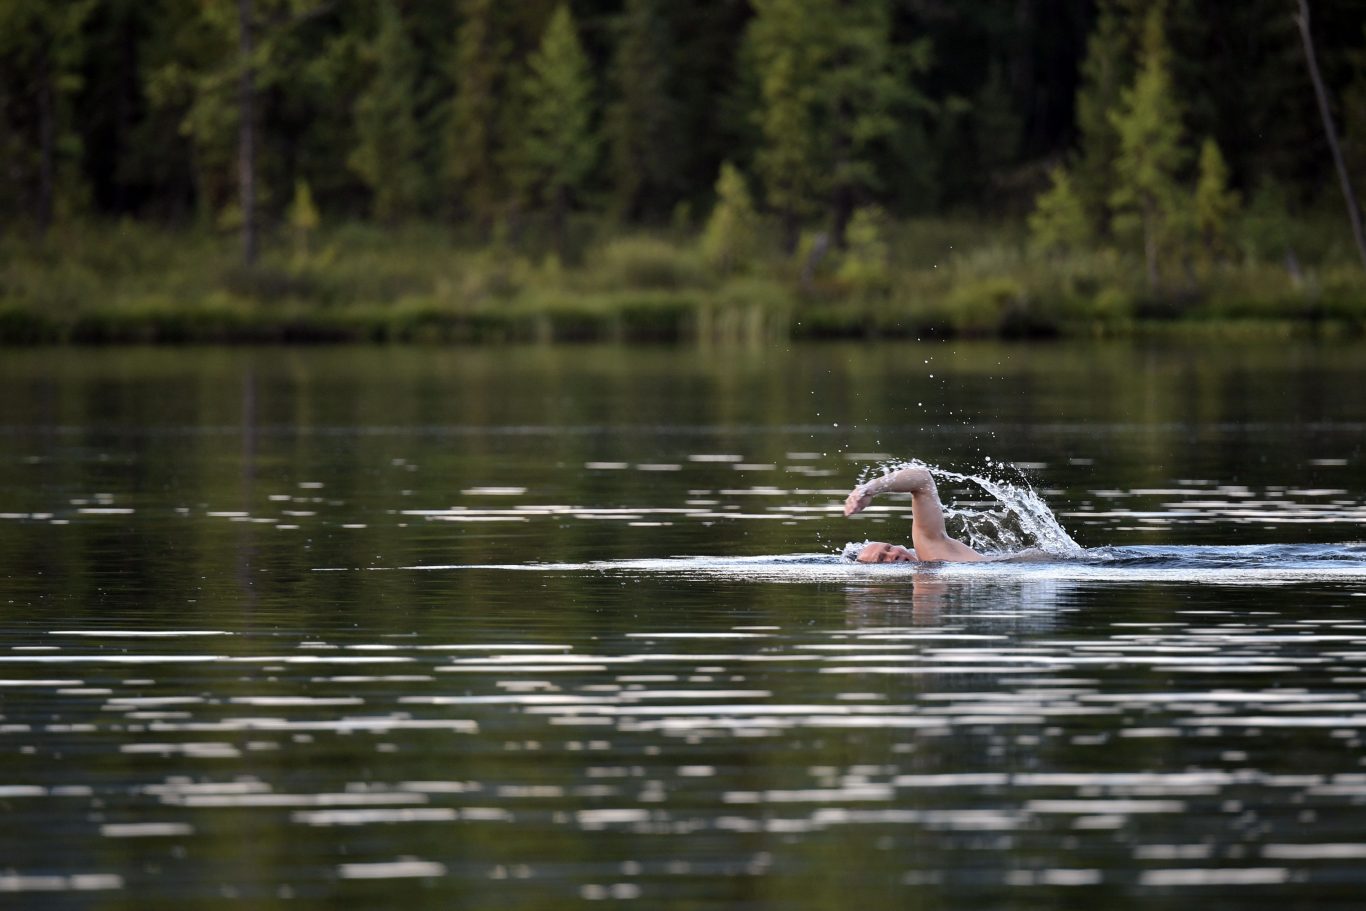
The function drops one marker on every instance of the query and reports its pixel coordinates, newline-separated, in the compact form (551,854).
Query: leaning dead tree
(1311,60)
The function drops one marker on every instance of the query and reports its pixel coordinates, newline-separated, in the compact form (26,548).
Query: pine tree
(1148,123)
(864,265)
(860,100)
(644,125)
(1239,70)
(250,86)
(40,53)
(559,145)
(833,92)
(389,143)
(789,47)
(1215,203)
(1058,222)
(1107,68)
(198,79)
(473,140)
(303,219)
(729,239)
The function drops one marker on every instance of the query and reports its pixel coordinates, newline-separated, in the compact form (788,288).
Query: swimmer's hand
(912,479)
(859,498)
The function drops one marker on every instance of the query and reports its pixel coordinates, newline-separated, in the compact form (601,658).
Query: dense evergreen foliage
(568,168)
(474,110)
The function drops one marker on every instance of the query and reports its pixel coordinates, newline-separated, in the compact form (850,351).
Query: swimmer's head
(880,552)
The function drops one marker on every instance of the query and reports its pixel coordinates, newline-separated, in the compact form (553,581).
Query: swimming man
(928,534)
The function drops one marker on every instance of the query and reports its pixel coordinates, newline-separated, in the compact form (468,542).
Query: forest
(476,170)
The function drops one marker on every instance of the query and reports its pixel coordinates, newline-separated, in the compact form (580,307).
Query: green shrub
(728,241)
(1110,305)
(1343,296)
(137,282)
(646,264)
(1058,223)
(980,307)
(863,267)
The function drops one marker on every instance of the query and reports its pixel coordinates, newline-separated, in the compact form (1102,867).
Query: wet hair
(853,549)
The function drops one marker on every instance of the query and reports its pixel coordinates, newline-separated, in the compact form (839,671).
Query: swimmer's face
(878,552)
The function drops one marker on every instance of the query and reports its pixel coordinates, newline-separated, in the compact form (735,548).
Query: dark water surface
(551,627)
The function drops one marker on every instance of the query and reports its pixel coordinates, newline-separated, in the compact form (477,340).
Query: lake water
(551,627)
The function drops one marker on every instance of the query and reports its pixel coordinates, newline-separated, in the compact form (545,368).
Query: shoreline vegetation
(651,170)
(130,282)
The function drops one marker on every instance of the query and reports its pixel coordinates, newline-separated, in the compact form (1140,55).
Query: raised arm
(928,535)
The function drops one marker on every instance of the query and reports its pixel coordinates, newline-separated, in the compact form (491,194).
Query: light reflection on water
(1215,747)
(443,657)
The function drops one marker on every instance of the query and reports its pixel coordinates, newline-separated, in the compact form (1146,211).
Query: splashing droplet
(1019,519)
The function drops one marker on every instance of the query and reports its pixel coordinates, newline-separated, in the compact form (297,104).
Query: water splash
(1019,520)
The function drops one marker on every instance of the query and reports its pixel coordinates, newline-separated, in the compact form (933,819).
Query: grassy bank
(938,278)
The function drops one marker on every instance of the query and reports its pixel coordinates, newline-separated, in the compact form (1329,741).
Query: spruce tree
(559,145)
(1058,223)
(473,140)
(40,56)
(303,219)
(388,141)
(1148,123)
(864,266)
(832,93)
(860,99)
(644,126)
(189,81)
(1215,203)
(729,239)
(1106,70)
(1239,70)
(789,47)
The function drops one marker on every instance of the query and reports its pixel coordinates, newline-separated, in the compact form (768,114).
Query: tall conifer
(861,99)
(40,51)
(644,126)
(1148,123)
(1215,203)
(473,141)
(388,143)
(559,145)
(1106,70)
(789,47)
(1058,223)
(728,241)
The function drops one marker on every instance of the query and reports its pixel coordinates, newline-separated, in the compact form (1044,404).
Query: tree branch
(1353,213)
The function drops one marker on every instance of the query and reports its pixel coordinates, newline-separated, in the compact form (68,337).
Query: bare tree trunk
(1353,213)
(47,139)
(246,133)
